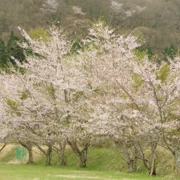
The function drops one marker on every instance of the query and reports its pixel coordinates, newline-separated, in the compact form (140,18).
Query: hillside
(158,21)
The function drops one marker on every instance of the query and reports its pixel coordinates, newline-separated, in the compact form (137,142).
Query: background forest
(156,22)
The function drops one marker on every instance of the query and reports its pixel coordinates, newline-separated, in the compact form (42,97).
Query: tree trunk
(30,159)
(47,153)
(62,157)
(82,154)
(83,157)
(49,156)
(3,147)
(28,146)
(152,171)
(177,158)
(131,163)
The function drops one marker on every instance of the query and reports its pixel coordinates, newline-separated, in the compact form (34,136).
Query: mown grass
(39,172)
(103,164)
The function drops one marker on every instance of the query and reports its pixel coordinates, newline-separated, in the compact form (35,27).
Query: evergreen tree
(3,57)
(13,49)
(149,52)
(170,52)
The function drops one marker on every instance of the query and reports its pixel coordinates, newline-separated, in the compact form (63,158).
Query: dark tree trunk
(49,156)
(175,151)
(47,153)
(3,147)
(151,164)
(177,159)
(131,162)
(152,171)
(28,146)
(131,166)
(62,157)
(30,159)
(82,154)
(83,157)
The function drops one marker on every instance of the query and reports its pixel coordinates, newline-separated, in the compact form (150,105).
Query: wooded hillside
(158,21)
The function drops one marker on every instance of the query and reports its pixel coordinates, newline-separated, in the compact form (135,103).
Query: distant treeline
(157,22)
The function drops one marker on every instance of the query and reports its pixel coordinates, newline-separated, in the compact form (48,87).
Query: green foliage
(170,52)
(141,51)
(149,52)
(14,50)
(23,95)
(12,104)
(163,73)
(76,46)
(95,89)
(78,95)
(137,79)
(140,54)
(3,57)
(51,90)
(39,33)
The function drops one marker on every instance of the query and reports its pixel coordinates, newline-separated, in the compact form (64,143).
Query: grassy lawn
(39,172)
(103,164)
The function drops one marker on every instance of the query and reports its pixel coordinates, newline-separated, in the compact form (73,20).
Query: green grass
(98,159)
(39,172)
(9,156)
(103,164)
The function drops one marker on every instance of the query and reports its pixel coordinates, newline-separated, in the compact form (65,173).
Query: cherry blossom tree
(101,91)
(14,124)
(157,98)
(110,61)
(49,98)
(145,98)
(139,100)
(4,132)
